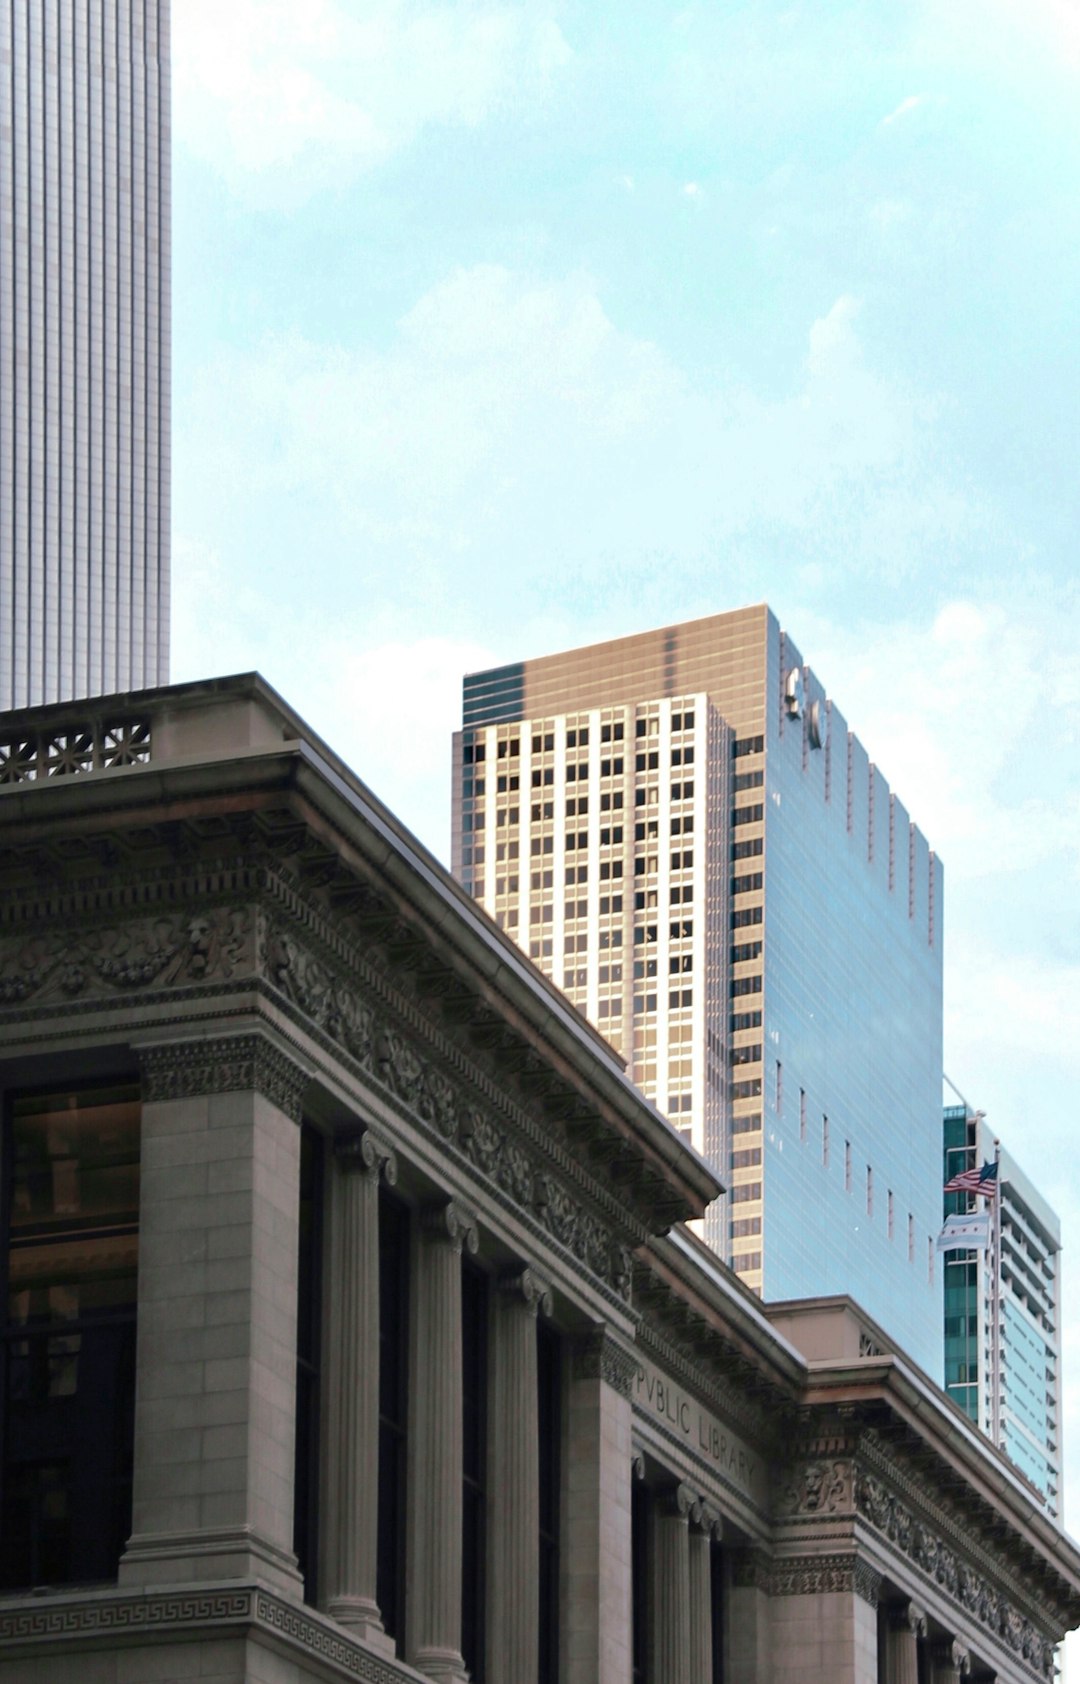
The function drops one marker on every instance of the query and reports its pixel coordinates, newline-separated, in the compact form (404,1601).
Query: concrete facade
(234,925)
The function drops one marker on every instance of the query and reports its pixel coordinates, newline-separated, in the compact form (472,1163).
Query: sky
(500,328)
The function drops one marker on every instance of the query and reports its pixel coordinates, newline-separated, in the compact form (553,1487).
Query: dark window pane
(67,1342)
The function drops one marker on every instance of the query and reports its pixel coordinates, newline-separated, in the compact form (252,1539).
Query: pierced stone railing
(72,746)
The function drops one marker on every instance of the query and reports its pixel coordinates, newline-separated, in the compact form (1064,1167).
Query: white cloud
(693,190)
(911,103)
(297,97)
(510,415)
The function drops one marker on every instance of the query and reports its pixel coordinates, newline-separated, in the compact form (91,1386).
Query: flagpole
(995,1308)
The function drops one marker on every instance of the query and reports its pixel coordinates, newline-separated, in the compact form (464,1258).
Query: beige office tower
(679,828)
(84,348)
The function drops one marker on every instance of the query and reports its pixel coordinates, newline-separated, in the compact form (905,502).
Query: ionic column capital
(525,1287)
(364,1152)
(951,1660)
(677,1502)
(448,1224)
(706,1518)
(906,1617)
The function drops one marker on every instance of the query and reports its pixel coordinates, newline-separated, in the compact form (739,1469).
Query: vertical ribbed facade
(84,347)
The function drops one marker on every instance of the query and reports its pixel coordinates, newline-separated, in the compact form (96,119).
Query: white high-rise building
(84,347)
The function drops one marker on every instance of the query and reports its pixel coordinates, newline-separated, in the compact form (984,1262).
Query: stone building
(352,1328)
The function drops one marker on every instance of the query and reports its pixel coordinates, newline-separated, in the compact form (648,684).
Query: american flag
(984,1181)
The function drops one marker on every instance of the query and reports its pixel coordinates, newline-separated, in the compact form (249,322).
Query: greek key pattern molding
(987,1605)
(134,1616)
(228,1065)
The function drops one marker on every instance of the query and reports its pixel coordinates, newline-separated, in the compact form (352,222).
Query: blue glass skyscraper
(681,830)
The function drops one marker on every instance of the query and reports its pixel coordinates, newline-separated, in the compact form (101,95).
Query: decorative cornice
(282,945)
(52,1623)
(186,1069)
(597,1356)
(962,1582)
(362,1151)
(449,1224)
(963,1528)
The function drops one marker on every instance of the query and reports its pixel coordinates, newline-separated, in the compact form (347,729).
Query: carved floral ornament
(223,944)
(987,1606)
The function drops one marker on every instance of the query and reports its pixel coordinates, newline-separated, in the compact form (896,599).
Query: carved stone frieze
(597,1356)
(984,1602)
(184,1069)
(816,1488)
(272,942)
(214,944)
(818,1575)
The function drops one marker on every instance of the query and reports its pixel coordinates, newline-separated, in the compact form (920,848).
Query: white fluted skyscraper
(84,347)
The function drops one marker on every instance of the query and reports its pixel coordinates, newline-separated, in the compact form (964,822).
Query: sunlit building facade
(1025,1415)
(84,347)
(680,829)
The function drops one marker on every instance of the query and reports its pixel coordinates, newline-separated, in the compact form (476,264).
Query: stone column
(704,1526)
(513,1481)
(951,1661)
(595,1632)
(671,1585)
(351,1452)
(215,1397)
(434,1530)
(906,1626)
(748,1627)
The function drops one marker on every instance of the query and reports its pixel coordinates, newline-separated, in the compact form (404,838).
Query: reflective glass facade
(1029,1401)
(745,909)
(84,348)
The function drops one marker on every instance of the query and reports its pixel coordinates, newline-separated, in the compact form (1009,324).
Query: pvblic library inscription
(702,1432)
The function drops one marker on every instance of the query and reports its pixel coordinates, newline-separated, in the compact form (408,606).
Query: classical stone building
(351,1326)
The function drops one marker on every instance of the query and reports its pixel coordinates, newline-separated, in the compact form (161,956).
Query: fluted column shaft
(352,1460)
(700,1607)
(906,1626)
(671,1588)
(704,1523)
(434,1534)
(514,1496)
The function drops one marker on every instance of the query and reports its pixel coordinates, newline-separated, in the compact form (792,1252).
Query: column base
(226,1552)
(445,1665)
(362,1620)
